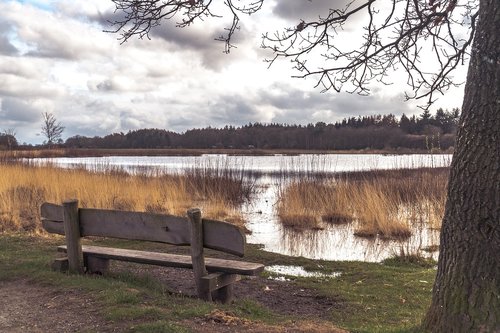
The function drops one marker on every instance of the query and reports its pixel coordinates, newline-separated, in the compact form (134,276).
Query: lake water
(332,243)
(266,165)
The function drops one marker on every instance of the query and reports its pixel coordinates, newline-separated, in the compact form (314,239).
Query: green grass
(160,326)
(381,298)
(252,310)
(372,297)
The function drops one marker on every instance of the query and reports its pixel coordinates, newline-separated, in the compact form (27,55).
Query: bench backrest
(163,228)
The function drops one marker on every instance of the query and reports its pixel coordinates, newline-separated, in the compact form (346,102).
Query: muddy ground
(26,306)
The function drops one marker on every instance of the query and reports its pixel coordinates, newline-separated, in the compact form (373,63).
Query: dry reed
(385,203)
(305,203)
(23,188)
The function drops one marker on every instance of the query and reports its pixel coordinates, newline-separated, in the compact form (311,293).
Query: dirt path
(283,297)
(31,307)
(26,307)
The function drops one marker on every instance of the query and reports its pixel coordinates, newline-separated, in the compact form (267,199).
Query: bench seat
(170,260)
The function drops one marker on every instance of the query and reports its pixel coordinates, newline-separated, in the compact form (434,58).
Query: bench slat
(171,260)
(170,229)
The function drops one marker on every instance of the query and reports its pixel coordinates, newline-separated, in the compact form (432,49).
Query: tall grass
(307,202)
(385,203)
(12,155)
(376,206)
(217,178)
(23,188)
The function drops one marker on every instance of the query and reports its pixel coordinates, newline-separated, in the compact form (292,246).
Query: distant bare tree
(51,128)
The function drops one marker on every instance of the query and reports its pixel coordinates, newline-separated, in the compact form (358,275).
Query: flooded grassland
(322,206)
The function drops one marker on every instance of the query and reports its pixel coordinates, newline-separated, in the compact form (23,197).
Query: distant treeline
(424,132)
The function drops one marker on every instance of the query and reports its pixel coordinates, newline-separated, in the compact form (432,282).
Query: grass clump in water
(385,203)
(306,203)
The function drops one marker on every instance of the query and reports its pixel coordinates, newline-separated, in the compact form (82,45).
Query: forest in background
(423,132)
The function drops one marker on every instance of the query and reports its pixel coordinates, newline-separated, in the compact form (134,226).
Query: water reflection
(339,243)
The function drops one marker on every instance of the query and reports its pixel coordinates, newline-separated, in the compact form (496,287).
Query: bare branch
(406,29)
(140,16)
(400,34)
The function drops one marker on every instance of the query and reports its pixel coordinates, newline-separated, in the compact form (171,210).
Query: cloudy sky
(55,57)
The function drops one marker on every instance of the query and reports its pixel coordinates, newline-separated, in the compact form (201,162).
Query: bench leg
(224,294)
(60,264)
(219,286)
(96,265)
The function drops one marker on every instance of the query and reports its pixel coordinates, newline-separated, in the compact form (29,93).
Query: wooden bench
(214,278)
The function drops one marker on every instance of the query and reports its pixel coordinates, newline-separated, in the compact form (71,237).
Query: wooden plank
(51,211)
(171,260)
(121,224)
(197,258)
(223,236)
(135,225)
(53,227)
(218,280)
(170,229)
(72,235)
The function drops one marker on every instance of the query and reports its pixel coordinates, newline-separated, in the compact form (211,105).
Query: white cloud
(307,10)
(55,57)
(19,111)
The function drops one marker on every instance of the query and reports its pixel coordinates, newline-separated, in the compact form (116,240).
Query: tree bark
(466,294)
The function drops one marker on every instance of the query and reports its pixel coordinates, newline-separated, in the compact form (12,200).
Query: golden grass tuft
(305,203)
(376,211)
(300,221)
(24,188)
(384,203)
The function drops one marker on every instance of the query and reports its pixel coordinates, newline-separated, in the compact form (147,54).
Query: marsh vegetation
(24,187)
(305,205)
(387,203)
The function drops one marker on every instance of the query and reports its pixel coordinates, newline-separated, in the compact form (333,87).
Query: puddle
(297,271)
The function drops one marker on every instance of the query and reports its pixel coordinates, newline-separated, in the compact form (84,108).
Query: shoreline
(98,152)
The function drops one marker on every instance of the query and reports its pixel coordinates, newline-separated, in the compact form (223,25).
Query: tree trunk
(466,294)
